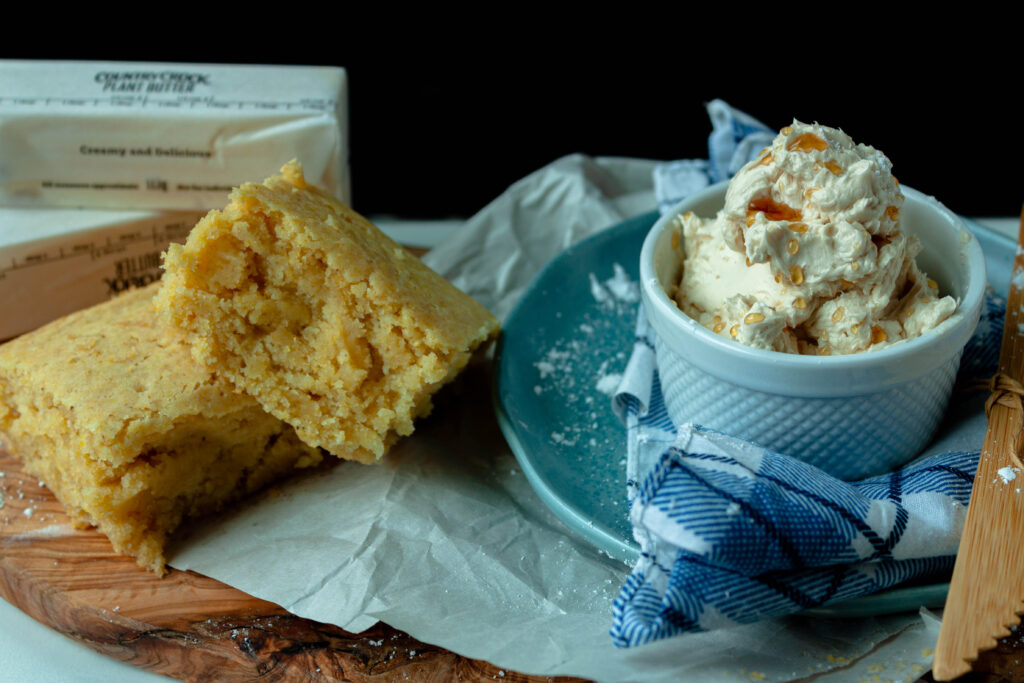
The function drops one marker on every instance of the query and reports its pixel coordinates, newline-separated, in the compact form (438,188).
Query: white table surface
(30,651)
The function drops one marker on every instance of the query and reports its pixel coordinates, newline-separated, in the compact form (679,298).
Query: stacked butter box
(103,164)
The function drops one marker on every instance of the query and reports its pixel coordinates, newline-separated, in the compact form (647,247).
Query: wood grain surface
(986,594)
(186,625)
(191,627)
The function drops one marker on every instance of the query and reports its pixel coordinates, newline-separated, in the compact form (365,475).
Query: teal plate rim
(582,481)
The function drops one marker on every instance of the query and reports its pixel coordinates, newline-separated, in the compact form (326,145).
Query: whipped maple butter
(807,255)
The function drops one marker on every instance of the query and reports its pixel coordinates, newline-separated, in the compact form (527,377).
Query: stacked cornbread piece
(330,325)
(285,326)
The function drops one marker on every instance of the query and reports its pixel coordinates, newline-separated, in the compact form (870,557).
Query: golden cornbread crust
(110,410)
(328,323)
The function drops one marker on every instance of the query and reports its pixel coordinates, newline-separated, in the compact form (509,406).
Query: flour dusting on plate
(563,366)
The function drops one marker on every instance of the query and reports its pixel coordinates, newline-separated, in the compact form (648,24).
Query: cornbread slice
(110,410)
(328,323)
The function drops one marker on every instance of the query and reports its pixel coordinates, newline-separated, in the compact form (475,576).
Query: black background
(442,138)
(448,143)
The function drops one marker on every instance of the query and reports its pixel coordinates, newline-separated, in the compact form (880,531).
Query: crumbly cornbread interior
(110,410)
(328,323)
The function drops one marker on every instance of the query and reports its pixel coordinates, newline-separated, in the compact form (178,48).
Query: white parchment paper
(447,541)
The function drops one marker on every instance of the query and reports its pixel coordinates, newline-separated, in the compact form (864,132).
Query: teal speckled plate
(570,333)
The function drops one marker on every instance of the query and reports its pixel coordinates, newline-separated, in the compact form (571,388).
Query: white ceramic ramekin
(853,416)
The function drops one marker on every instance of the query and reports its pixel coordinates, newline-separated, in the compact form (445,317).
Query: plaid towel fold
(735,139)
(731,532)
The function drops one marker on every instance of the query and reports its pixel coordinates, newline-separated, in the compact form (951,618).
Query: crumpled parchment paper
(447,541)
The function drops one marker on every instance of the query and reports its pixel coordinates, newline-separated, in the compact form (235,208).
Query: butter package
(121,135)
(56,261)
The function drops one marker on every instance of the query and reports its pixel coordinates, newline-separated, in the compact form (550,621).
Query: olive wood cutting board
(186,625)
(189,626)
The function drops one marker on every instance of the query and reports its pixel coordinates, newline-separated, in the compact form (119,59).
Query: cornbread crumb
(328,323)
(108,407)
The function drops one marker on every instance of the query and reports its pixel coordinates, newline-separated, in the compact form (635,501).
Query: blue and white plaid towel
(735,139)
(731,532)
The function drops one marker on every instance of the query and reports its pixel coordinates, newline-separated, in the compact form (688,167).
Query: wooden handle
(986,594)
